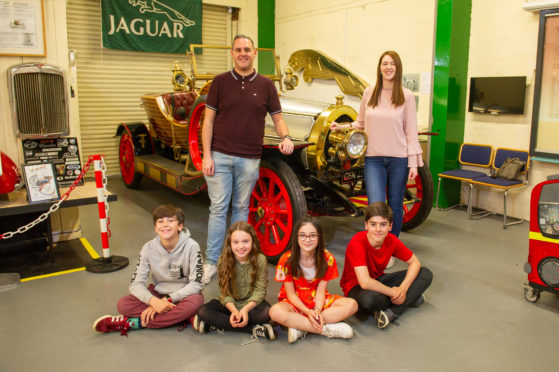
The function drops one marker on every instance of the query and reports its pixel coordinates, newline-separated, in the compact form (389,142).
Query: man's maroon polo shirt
(241,104)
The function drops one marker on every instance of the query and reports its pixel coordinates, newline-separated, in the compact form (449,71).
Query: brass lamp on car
(179,79)
(347,143)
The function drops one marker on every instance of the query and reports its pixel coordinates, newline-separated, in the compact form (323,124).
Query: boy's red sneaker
(110,323)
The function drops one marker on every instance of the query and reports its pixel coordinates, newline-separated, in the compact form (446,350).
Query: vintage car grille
(39,100)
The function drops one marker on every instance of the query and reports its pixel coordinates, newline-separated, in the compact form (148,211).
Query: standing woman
(388,116)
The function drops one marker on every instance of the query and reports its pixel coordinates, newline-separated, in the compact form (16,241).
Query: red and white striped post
(101,205)
(107,263)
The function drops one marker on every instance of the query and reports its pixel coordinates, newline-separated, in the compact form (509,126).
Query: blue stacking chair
(501,154)
(470,155)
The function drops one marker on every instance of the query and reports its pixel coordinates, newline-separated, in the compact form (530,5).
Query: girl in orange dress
(304,302)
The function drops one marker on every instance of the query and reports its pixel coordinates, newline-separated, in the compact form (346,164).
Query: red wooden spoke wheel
(195,131)
(418,199)
(276,203)
(126,156)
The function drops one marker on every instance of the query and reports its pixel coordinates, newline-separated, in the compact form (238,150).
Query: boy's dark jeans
(371,301)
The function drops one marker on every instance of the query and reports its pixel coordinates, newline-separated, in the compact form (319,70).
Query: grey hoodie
(177,274)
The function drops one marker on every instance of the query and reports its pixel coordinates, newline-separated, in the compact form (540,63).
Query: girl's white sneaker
(337,330)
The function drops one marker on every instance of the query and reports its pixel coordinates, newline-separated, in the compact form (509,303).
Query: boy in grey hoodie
(176,267)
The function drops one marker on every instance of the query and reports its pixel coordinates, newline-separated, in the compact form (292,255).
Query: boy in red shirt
(386,295)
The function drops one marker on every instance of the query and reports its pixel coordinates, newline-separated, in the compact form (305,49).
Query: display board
(62,152)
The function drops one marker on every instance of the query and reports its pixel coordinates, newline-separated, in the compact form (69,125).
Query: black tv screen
(497,95)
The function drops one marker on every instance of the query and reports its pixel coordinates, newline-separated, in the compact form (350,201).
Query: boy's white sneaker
(209,272)
(337,330)
(293,334)
(385,317)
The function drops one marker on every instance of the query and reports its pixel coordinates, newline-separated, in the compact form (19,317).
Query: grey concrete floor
(475,317)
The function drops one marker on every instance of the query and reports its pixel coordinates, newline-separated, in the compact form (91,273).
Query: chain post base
(107,265)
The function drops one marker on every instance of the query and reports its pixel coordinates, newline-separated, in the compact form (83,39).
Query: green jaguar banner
(166,26)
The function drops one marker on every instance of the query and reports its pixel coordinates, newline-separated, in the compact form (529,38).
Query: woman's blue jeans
(387,174)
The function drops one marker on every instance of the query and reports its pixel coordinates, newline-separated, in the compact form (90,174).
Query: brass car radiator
(39,100)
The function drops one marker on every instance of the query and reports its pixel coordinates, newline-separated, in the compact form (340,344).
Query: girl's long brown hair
(319,261)
(398,98)
(226,272)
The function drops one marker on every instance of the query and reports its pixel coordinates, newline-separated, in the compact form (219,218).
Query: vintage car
(323,176)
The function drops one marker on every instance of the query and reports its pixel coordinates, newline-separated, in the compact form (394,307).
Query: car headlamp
(356,144)
(347,143)
(180,80)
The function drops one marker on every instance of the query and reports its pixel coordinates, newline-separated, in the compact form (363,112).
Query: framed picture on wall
(40,183)
(22,28)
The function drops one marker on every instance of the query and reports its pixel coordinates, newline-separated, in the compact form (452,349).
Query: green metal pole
(449,91)
(266,34)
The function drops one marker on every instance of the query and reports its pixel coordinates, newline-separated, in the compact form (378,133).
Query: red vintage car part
(542,265)
(10,176)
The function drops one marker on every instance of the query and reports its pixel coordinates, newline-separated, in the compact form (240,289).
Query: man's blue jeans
(234,178)
(387,174)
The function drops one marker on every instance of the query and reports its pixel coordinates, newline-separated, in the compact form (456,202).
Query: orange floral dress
(306,290)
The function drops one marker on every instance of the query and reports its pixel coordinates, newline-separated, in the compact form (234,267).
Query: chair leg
(515,221)
(505,209)
(437,199)
(438,192)
(470,200)
(478,215)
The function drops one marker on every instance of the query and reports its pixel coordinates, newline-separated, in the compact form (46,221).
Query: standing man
(232,136)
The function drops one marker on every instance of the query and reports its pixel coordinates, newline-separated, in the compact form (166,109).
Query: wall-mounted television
(497,95)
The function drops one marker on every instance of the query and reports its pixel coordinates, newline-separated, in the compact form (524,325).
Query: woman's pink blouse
(391,131)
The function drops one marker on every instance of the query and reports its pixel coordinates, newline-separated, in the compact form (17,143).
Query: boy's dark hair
(378,209)
(168,210)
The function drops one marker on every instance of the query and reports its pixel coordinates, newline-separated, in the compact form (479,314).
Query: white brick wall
(503,42)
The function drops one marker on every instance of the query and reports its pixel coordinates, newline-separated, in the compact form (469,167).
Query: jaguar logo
(154,6)
(151,27)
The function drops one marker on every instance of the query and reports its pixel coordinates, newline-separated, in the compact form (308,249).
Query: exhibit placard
(62,152)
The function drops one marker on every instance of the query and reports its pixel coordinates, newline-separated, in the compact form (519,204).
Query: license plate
(352,175)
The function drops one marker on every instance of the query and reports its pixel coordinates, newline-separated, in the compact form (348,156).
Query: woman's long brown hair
(226,273)
(319,261)
(398,98)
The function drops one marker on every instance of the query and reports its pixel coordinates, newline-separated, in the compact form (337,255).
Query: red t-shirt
(359,252)
(241,104)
